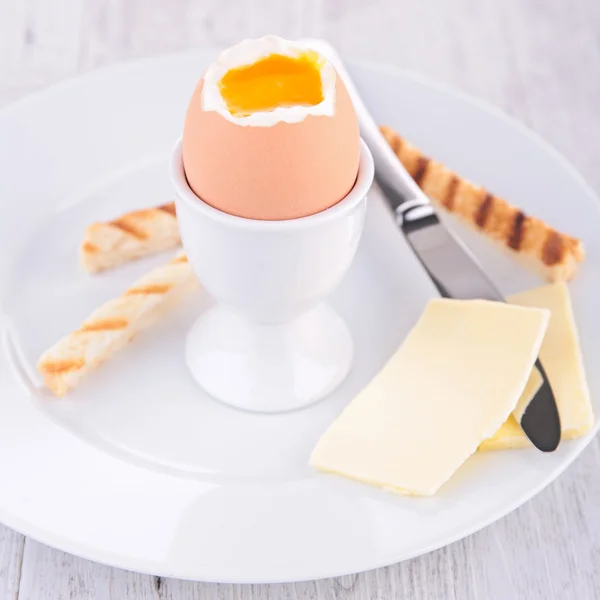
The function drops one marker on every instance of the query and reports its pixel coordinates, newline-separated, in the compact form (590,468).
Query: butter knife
(448,262)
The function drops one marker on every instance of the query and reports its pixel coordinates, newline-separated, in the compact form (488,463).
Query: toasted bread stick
(133,235)
(113,325)
(554,254)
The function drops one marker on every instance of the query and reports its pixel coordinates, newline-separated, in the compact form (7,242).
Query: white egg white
(248,52)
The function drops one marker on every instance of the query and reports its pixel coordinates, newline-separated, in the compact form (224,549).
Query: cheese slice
(561,356)
(453,382)
(534,383)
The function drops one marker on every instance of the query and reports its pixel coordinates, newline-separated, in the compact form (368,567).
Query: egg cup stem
(269,368)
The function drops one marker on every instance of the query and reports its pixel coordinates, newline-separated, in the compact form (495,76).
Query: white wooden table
(539,60)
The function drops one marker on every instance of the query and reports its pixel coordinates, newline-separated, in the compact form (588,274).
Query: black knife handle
(541,419)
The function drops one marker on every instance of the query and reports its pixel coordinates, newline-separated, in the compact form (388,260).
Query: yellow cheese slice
(533,385)
(561,357)
(452,383)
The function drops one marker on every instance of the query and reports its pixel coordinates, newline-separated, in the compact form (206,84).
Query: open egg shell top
(280,164)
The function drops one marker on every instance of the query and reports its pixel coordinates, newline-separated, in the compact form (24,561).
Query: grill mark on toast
(450,195)
(59,367)
(168,208)
(90,248)
(115,324)
(552,252)
(484,210)
(129,229)
(515,239)
(421,170)
(153,288)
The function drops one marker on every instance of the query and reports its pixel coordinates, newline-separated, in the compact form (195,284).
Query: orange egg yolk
(272,82)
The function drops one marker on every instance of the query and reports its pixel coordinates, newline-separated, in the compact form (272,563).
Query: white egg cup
(270,344)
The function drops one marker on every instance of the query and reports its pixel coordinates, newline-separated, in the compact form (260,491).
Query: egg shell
(279,172)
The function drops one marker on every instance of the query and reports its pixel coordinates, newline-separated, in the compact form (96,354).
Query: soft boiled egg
(271,133)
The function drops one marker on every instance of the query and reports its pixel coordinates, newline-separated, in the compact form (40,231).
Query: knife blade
(448,262)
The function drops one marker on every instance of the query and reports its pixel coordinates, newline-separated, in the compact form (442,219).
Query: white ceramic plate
(138,468)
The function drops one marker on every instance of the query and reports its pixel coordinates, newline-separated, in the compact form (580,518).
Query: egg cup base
(269,368)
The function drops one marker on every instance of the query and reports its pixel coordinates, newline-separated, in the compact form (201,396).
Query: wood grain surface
(539,60)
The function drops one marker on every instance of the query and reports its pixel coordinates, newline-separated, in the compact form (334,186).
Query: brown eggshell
(285,171)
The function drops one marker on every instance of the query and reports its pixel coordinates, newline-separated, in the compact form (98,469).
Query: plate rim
(144,566)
